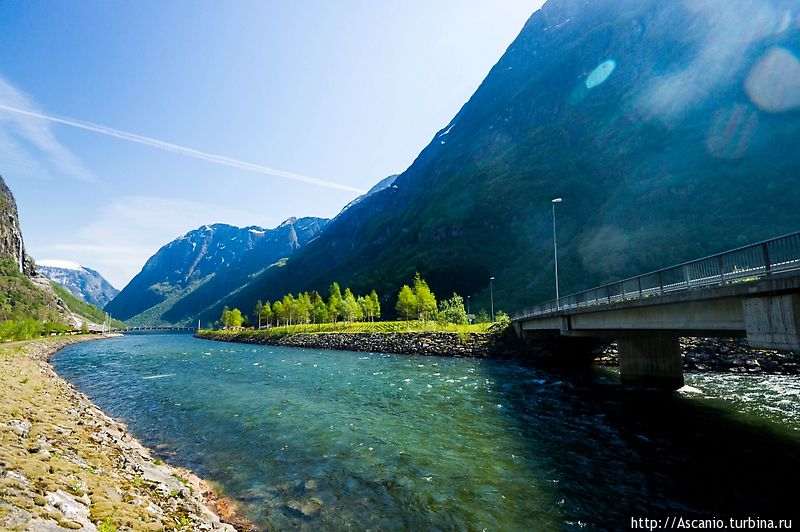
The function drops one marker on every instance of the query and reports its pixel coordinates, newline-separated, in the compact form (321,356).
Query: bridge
(752,292)
(153,328)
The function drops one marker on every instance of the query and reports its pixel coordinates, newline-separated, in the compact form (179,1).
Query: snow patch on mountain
(60,264)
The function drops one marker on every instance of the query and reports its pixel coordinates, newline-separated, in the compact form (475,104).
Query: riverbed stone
(21,427)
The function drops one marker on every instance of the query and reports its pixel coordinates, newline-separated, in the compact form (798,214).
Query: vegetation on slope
(82,308)
(21,299)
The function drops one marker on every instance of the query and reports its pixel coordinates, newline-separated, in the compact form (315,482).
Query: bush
(17,330)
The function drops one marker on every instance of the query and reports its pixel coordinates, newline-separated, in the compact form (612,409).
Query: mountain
(668,127)
(12,247)
(92,314)
(82,282)
(203,267)
(386,182)
(24,294)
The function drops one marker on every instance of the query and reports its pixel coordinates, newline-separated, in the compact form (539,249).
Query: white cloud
(27,142)
(131,229)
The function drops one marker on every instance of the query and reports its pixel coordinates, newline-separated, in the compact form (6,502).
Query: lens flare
(731,131)
(601,73)
(774,82)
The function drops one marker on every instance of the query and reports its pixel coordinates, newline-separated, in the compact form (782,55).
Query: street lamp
(468,305)
(491,296)
(555,249)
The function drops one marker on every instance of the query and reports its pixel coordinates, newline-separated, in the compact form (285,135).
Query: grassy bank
(362,327)
(62,461)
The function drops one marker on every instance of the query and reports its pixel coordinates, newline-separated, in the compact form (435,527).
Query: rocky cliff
(11,243)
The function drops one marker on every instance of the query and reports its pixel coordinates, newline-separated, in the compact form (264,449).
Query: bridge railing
(748,263)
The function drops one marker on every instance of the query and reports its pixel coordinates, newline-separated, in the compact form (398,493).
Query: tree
(257,312)
(370,306)
(236,319)
(426,300)
(319,312)
(453,310)
(363,308)
(225,318)
(349,310)
(502,319)
(85,327)
(304,308)
(375,306)
(406,303)
(482,316)
(334,301)
(266,314)
(289,309)
(278,312)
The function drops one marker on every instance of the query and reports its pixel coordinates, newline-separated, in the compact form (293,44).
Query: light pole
(555,249)
(468,305)
(491,296)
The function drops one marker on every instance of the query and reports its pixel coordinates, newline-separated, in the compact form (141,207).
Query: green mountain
(81,308)
(668,128)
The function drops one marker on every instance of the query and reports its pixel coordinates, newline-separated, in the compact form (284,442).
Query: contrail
(160,144)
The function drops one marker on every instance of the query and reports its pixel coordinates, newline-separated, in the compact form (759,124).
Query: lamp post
(468,305)
(491,296)
(555,249)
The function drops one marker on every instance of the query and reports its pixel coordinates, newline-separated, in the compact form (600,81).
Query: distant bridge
(752,292)
(154,328)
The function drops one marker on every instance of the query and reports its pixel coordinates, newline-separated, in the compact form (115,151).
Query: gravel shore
(65,465)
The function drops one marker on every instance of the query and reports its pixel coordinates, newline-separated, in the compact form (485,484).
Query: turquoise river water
(327,440)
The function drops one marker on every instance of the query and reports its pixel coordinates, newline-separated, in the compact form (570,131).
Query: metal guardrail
(748,263)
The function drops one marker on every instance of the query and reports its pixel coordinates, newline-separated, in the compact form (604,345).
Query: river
(328,440)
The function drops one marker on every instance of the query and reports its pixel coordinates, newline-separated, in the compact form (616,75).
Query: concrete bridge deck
(751,292)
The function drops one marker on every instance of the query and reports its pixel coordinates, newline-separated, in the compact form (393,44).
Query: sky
(123,125)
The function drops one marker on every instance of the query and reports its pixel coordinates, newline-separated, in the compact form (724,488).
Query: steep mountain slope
(82,282)
(24,294)
(12,248)
(199,269)
(91,313)
(668,127)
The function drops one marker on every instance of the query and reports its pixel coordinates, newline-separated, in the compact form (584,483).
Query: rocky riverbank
(65,465)
(722,355)
(699,354)
(495,344)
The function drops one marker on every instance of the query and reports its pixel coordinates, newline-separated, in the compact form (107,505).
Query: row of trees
(415,302)
(26,329)
(309,308)
(418,302)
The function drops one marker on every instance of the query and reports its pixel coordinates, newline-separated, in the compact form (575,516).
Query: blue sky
(346,92)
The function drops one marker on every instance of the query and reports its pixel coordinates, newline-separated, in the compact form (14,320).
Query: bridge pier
(773,322)
(651,361)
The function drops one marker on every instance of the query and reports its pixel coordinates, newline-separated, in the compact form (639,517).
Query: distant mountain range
(668,127)
(202,268)
(82,282)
